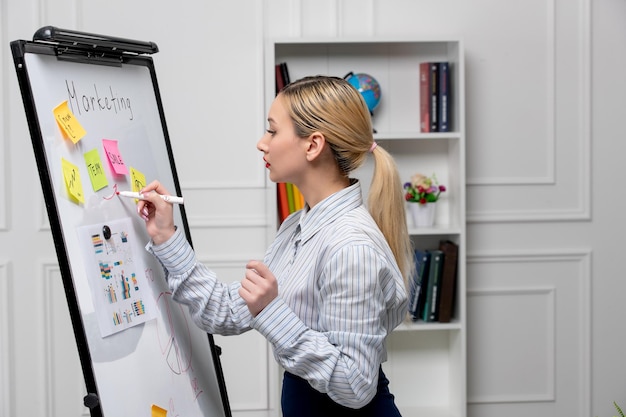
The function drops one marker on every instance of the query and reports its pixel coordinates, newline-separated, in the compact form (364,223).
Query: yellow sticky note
(158,411)
(68,122)
(138,179)
(96,171)
(72,180)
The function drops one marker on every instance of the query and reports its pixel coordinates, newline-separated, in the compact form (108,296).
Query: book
(297,199)
(302,200)
(429,312)
(285,72)
(290,201)
(280,82)
(414,288)
(416,300)
(283,204)
(447,285)
(444,97)
(282,76)
(424,74)
(434,96)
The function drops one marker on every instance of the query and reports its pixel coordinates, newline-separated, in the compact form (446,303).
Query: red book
(424,74)
(283,205)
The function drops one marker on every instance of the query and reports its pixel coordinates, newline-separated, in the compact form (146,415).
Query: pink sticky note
(115,158)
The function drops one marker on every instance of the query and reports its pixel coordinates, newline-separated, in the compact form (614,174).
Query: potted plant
(422,193)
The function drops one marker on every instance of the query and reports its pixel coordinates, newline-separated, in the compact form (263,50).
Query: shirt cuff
(278,324)
(175,254)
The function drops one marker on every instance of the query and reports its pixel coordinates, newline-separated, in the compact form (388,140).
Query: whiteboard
(138,349)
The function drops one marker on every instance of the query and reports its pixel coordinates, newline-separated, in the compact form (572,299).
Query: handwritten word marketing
(95,100)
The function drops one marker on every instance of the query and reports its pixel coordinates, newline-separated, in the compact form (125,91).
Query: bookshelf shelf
(389,136)
(427,361)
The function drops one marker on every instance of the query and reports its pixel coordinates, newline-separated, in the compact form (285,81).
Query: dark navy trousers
(299,399)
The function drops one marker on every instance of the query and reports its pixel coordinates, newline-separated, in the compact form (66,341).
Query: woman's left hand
(259,287)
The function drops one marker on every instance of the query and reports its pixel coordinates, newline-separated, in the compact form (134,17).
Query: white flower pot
(423,215)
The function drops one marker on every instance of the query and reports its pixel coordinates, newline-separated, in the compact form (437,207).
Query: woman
(332,285)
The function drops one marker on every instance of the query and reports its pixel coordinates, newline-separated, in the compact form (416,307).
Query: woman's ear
(315,146)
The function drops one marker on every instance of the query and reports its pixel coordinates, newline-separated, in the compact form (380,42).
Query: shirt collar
(329,210)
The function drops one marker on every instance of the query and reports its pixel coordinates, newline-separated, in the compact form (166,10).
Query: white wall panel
(6,349)
(521,140)
(244,357)
(313,18)
(246,371)
(530,377)
(42,215)
(225,207)
(65,384)
(60,13)
(529,316)
(213,243)
(282,18)
(4,131)
(529,114)
(319,17)
(356,18)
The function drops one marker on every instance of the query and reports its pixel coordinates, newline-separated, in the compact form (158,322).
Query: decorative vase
(423,215)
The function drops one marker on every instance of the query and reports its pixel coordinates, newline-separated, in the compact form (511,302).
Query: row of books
(435,96)
(290,200)
(433,289)
(289,197)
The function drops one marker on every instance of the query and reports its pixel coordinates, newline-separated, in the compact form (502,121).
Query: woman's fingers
(259,287)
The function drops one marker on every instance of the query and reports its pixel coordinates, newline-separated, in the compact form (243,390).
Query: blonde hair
(332,106)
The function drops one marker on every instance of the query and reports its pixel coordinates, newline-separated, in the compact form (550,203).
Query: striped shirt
(340,294)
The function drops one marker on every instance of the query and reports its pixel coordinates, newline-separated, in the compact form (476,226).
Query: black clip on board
(139,350)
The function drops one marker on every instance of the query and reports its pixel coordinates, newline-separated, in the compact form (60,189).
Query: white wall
(608,149)
(544,199)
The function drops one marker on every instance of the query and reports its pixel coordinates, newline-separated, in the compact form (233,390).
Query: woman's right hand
(157,213)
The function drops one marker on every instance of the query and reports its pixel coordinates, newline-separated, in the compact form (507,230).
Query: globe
(367,86)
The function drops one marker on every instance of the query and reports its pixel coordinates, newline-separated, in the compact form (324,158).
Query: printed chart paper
(117,277)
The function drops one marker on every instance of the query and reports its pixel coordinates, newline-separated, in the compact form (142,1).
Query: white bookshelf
(427,361)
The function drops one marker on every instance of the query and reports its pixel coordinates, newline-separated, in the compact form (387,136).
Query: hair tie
(374,145)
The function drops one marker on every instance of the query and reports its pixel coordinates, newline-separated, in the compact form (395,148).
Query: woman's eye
(271,132)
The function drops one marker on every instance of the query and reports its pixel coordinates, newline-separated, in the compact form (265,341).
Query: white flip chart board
(97,125)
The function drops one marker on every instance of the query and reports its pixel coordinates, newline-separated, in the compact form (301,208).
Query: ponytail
(386,205)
